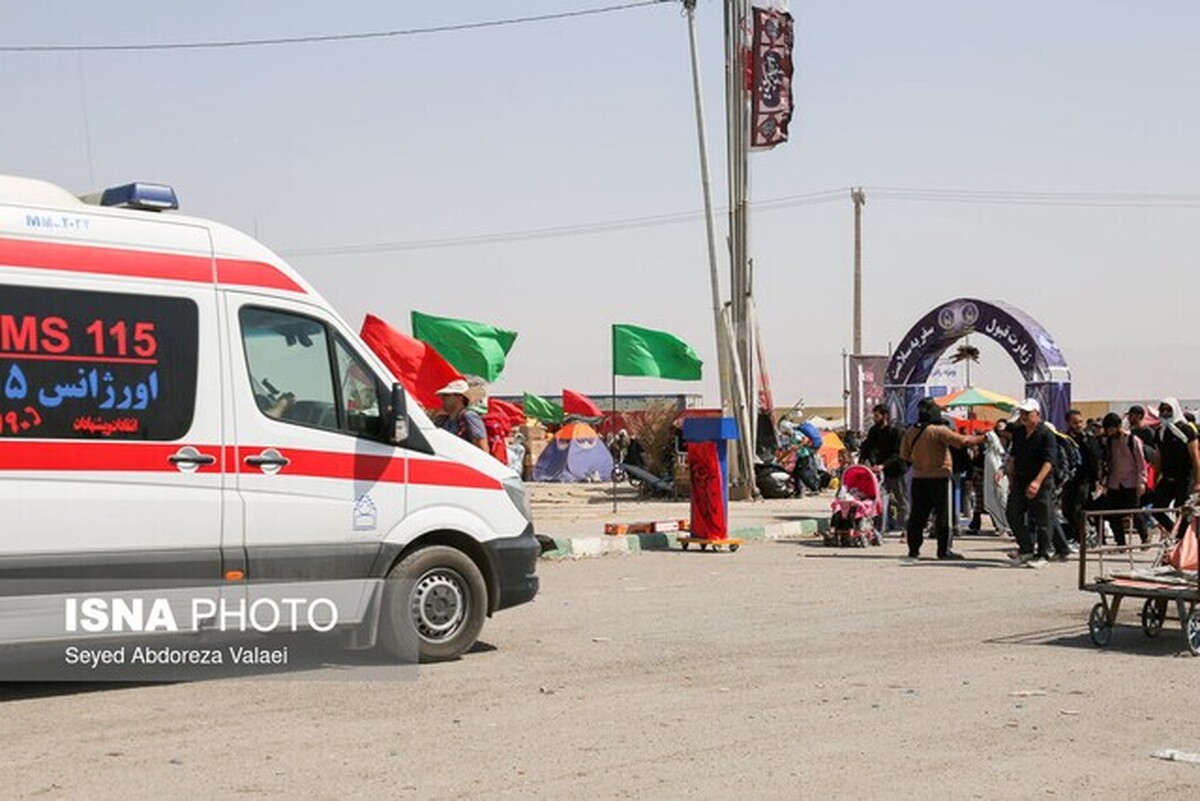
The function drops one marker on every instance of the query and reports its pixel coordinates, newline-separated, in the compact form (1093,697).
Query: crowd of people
(1051,479)
(1137,477)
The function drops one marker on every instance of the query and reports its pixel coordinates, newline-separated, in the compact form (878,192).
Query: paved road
(785,670)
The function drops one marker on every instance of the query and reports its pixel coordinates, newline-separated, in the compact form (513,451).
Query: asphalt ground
(785,670)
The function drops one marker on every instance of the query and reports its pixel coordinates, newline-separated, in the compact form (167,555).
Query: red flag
(414,364)
(579,404)
(510,412)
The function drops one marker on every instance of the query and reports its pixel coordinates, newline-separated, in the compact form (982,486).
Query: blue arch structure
(1047,376)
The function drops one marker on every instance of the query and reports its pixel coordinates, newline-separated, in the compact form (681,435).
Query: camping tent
(575,454)
(831,445)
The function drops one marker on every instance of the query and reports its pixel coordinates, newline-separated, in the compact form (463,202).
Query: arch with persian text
(1031,348)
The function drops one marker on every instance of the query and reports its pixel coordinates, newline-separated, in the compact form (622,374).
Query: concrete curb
(604,545)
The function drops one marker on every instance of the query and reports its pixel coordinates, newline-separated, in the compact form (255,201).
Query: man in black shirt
(881,450)
(1086,481)
(1178,460)
(1031,485)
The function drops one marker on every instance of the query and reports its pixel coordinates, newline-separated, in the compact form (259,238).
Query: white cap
(1027,405)
(455,387)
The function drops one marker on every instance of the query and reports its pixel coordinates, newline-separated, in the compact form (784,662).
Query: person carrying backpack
(1086,481)
(1178,461)
(1124,475)
(1143,432)
(1031,476)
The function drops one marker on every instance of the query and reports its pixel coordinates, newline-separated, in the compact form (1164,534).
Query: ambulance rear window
(96,365)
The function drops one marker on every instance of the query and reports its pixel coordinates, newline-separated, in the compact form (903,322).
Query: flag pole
(613,420)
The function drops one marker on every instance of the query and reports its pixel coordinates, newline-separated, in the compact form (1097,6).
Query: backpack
(1067,459)
(1106,453)
(814,435)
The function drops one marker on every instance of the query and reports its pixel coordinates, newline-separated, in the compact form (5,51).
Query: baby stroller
(855,508)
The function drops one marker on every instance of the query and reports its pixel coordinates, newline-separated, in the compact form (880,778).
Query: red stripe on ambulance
(112,456)
(141,264)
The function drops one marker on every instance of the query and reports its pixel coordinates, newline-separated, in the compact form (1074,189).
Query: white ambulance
(176,401)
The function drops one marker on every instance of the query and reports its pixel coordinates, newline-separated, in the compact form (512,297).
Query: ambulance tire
(438,596)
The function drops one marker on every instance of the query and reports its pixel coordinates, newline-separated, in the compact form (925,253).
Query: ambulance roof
(227,243)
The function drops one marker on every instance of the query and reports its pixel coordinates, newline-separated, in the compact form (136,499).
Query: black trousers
(1040,507)
(1122,498)
(1171,491)
(1074,497)
(929,497)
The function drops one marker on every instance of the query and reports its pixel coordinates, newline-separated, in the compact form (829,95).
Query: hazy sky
(589,120)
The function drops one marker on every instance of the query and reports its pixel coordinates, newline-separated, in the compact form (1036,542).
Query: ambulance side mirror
(399,419)
(398,427)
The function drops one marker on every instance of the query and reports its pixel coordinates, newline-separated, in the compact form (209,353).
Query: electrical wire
(320,38)
(627,224)
(1017,198)
(885,193)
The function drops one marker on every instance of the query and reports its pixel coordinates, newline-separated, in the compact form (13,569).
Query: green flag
(644,351)
(472,348)
(542,409)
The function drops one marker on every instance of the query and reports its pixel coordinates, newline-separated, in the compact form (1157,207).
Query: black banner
(96,365)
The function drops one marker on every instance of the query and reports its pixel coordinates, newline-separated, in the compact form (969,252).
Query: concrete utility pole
(859,199)
(737,115)
(723,356)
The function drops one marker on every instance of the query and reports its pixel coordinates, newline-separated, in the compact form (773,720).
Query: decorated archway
(1035,354)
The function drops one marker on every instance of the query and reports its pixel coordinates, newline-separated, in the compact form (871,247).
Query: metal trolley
(1139,571)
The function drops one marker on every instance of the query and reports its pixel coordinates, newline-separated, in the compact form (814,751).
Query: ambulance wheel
(435,601)
(1098,626)
(684,545)
(733,548)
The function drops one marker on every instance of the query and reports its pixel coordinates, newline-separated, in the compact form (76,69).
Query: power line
(888,193)
(333,37)
(1017,198)
(627,224)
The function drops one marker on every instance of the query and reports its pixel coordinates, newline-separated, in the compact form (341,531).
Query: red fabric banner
(416,365)
(579,404)
(509,411)
(771,93)
(708,492)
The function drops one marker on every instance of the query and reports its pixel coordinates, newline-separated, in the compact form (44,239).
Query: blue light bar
(147,197)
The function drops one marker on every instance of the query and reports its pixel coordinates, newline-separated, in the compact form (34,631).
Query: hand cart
(1143,572)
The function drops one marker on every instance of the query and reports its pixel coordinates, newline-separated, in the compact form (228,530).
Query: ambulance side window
(359,393)
(288,359)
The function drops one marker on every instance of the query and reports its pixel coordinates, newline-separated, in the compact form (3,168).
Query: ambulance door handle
(188,459)
(270,460)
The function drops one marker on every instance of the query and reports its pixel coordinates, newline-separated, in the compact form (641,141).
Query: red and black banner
(708,492)
(771,93)
(867,377)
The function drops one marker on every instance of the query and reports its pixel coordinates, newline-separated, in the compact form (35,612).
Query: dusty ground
(784,670)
